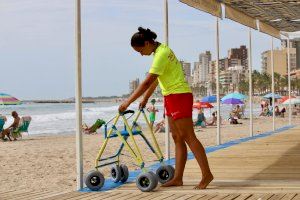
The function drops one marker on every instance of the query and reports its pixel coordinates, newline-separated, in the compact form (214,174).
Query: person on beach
(201,120)
(167,71)
(152,112)
(213,121)
(160,126)
(14,126)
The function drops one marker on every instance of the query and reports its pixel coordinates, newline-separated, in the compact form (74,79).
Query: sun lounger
(2,122)
(23,127)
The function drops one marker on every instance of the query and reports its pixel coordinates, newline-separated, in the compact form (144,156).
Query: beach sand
(48,162)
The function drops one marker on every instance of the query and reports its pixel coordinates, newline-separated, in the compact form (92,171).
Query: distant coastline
(84,100)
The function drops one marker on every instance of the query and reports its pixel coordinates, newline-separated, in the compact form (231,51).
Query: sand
(48,162)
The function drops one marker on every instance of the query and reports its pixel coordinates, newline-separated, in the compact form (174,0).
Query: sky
(37,45)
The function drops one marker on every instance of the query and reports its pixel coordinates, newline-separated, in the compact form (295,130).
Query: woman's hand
(123,106)
(143,103)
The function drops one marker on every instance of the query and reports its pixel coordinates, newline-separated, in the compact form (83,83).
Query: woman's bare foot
(204,182)
(172,182)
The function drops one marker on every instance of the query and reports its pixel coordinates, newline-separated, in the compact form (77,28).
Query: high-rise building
(239,53)
(204,59)
(133,84)
(201,69)
(295,43)
(280,61)
(187,71)
(196,79)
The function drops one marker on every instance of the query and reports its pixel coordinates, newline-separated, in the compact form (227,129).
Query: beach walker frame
(146,180)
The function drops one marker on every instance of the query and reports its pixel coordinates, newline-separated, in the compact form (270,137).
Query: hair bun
(141,30)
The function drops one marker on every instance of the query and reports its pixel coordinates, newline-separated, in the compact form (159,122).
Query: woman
(178,99)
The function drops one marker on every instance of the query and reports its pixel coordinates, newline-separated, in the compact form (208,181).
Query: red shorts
(179,106)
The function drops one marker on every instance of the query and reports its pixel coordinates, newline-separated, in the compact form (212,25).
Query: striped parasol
(6,99)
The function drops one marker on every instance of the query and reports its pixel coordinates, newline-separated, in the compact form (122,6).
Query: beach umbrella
(234,95)
(283,98)
(6,99)
(270,95)
(202,105)
(232,101)
(209,99)
(292,100)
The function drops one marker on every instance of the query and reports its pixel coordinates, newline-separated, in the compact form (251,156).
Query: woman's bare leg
(186,130)
(180,156)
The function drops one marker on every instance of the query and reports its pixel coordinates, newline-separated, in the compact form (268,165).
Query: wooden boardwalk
(266,168)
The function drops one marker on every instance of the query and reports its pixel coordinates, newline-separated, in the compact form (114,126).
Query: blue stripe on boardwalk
(109,184)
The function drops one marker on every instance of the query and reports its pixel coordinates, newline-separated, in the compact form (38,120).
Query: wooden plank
(65,196)
(243,197)
(14,193)
(289,196)
(186,196)
(231,196)
(220,196)
(141,195)
(164,195)
(297,197)
(86,195)
(174,196)
(50,195)
(197,196)
(100,195)
(21,195)
(277,196)
(31,196)
(132,195)
(209,196)
(117,196)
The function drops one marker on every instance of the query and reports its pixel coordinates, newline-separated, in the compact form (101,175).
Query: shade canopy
(6,99)
(274,16)
(202,105)
(270,95)
(234,95)
(292,100)
(232,101)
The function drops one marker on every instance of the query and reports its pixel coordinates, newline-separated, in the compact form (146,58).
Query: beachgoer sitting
(14,126)
(160,127)
(266,111)
(237,112)
(213,121)
(283,110)
(201,120)
(94,127)
(277,111)
(234,120)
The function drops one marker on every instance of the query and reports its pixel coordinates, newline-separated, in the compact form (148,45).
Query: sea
(59,118)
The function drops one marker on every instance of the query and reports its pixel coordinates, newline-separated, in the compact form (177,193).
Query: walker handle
(127,112)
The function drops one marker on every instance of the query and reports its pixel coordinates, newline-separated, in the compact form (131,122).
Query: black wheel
(115,173)
(146,182)
(165,173)
(124,173)
(155,176)
(94,180)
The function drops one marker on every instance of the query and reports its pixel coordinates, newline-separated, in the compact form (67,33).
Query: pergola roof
(283,15)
